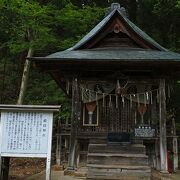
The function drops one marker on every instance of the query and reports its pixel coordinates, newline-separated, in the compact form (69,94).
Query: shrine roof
(139,46)
(112,55)
(100,26)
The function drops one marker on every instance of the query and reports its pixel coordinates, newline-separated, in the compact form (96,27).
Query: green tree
(168,13)
(28,29)
(160,19)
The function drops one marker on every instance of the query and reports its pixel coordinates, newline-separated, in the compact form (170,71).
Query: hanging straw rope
(131,94)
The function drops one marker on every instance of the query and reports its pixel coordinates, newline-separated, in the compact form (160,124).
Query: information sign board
(27,132)
(144,132)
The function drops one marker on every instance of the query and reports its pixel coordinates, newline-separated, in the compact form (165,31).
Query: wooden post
(48,160)
(175,153)
(75,117)
(1,174)
(4,162)
(58,145)
(0,167)
(162,126)
(175,146)
(157,154)
(5,168)
(77,155)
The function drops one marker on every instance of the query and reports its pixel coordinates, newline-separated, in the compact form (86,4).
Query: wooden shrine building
(119,79)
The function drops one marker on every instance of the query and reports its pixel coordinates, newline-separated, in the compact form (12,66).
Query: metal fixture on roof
(117,6)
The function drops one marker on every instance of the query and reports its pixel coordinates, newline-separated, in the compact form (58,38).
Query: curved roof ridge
(102,23)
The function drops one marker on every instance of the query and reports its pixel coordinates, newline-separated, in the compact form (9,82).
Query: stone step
(117,159)
(117,155)
(122,176)
(96,172)
(121,168)
(120,148)
(117,162)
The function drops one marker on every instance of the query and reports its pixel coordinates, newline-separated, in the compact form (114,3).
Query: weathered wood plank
(130,148)
(76,108)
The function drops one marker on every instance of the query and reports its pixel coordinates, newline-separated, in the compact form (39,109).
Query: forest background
(47,26)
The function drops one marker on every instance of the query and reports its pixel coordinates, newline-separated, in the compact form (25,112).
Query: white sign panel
(144,132)
(25,132)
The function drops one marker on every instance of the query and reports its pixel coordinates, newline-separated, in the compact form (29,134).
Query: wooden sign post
(26,131)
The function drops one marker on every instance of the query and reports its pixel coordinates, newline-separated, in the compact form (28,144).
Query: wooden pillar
(59,144)
(157,154)
(4,168)
(78,156)
(175,146)
(162,126)
(66,142)
(75,117)
(175,153)
(58,151)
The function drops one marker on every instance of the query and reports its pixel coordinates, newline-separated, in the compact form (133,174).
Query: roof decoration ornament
(117,28)
(117,6)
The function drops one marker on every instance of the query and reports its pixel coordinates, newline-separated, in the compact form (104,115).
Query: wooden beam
(43,108)
(162,126)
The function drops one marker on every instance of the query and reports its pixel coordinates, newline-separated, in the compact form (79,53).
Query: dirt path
(176,176)
(55,175)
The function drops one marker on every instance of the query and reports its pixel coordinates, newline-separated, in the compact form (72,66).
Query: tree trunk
(3,82)
(25,77)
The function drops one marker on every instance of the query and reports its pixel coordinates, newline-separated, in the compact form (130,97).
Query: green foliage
(54,25)
(43,90)
(160,19)
(71,23)
(167,14)
(44,26)
(26,24)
